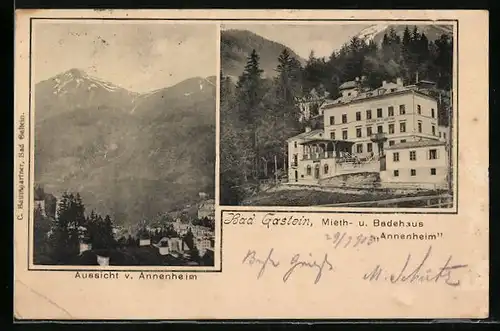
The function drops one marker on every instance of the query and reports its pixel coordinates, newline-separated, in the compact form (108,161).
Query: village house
(360,125)
(44,202)
(180,227)
(144,242)
(203,244)
(200,231)
(310,104)
(207,209)
(172,246)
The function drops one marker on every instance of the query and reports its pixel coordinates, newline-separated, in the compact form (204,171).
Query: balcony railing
(319,155)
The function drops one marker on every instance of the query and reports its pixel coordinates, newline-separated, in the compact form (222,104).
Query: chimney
(384,83)
(308,128)
(399,81)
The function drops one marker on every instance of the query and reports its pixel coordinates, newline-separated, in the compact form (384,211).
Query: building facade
(207,209)
(421,163)
(400,113)
(359,126)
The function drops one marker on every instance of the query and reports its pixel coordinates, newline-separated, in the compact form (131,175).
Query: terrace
(316,149)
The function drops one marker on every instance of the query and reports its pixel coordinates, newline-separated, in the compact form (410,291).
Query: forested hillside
(129,155)
(236,46)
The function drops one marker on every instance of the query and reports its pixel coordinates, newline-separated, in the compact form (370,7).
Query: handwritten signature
(422,273)
(296,262)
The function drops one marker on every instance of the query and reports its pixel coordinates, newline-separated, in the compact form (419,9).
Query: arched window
(326,168)
(308,170)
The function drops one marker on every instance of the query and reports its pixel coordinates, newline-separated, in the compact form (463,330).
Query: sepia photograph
(337,115)
(124,142)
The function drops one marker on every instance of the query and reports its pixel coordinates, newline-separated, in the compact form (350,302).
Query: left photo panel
(123,139)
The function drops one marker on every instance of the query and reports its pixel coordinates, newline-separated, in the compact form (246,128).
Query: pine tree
(249,94)
(423,56)
(235,153)
(385,41)
(444,62)
(393,37)
(249,89)
(415,36)
(91,225)
(79,211)
(107,229)
(406,37)
(65,239)
(287,83)
(407,55)
(41,247)
(189,239)
(282,115)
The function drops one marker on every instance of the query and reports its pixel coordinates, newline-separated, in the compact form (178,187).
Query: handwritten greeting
(298,261)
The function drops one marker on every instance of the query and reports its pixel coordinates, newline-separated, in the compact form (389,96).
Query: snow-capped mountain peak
(376,32)
(76,78)
(370,32)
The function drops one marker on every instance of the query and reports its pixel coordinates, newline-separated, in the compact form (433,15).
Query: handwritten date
(344,240)
(296,262)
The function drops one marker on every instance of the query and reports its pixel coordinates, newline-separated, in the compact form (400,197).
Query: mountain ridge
(237,44)
(376,32)
(125,152)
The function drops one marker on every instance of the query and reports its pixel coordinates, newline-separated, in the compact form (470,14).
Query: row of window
(369,146)
(369,131)
(309,169)
(419,128)
(380,113)
(380,129)
(432,155)
(413,172)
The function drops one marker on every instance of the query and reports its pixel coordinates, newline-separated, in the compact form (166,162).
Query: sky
(135,55)
(323,39)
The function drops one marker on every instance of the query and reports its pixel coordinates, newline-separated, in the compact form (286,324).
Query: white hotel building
(360,125)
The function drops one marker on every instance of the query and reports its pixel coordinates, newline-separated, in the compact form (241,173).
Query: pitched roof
(375,93)
(416,144)
(305,135)
(348,85)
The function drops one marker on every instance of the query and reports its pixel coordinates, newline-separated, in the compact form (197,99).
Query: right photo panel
(338,114)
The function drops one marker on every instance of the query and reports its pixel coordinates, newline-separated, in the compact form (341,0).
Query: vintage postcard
(225,164)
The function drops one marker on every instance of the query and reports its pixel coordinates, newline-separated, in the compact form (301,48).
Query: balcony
(378,137)
(319,155)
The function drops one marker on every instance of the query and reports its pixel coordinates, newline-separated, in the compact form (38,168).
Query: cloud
(139,56)
(302,38)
